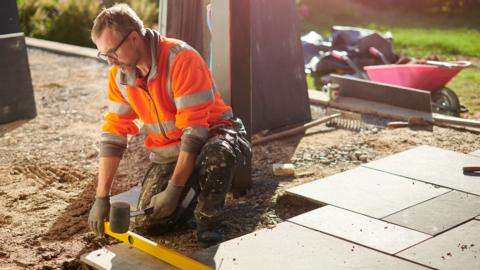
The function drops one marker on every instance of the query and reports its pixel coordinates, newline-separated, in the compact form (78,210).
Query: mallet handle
(146,211)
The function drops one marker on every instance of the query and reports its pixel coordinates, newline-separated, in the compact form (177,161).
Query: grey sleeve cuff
(191,143)
(109,149)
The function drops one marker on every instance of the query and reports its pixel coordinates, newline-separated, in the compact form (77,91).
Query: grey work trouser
(211,178)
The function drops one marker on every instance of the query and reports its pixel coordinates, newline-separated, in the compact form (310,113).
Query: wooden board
(455,121)
(408,98)
(367,107)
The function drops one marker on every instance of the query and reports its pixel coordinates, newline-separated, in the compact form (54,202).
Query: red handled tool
(471,169)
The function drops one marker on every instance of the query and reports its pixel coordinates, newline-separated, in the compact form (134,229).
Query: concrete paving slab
(432,165)
(131,196)
(369,192)
(122,256)
(475,153)
(290,246)
(438,214)
(370,232)
(456,249)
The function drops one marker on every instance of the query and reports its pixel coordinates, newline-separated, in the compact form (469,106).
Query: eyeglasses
(112,52)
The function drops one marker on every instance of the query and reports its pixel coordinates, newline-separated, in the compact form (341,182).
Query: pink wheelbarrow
(431,76)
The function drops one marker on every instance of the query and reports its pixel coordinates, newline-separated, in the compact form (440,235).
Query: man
(193,137)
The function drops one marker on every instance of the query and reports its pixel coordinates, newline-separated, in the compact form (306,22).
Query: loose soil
(48,168)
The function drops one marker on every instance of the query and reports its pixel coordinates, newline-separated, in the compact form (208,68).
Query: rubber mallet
(120,216)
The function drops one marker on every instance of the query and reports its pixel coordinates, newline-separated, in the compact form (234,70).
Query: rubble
(283,169)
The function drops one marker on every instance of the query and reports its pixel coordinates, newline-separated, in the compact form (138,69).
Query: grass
(447,43)
(466,85)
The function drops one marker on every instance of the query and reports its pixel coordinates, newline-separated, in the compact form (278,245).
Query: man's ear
(135,36)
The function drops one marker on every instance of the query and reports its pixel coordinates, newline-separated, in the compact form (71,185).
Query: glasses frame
(112,53)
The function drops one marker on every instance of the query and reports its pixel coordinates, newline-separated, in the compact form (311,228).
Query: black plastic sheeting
(350,39)
(9,22)
(16,91)
(279,89)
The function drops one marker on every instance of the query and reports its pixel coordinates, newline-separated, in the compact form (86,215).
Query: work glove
(98,214)
(165,202)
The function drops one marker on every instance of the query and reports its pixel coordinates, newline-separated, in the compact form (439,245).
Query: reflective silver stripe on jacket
(174,50)
(166,154)
(193,99)
(197,131)
(119,108)
(121,87)
(168,126)
(113,138)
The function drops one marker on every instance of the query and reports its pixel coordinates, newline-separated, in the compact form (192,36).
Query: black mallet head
(120,216)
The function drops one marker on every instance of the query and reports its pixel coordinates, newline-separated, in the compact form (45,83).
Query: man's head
(117,32)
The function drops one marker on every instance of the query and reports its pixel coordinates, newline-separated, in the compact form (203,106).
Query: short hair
(120,18)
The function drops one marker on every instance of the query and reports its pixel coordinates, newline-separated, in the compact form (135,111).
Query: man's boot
(209,235)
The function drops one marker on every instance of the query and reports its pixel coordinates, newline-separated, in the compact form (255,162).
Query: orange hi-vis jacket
(177,105)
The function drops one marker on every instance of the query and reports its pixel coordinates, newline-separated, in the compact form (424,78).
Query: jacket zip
(156,114)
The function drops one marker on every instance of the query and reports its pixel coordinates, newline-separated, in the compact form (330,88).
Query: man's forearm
(184,168)
(106,171)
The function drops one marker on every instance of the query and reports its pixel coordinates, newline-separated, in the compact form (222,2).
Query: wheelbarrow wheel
(445,101)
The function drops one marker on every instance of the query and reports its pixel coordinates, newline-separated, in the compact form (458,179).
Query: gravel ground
(48,168)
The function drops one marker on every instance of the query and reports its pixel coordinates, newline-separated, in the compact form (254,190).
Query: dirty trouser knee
(157,175)
(215,170)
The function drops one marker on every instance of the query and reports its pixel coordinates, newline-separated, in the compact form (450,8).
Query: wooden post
(162,16)
(241,79)
(186,21)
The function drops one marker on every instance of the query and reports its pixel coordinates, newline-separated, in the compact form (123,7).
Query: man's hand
(98,214)
(165,202)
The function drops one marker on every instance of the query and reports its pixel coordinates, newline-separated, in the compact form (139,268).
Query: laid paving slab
(122,256)
(370,192)
(131,196)
(438,214)
(456,249)
(370,232)
(432,165)
(290,246)
(475,153)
